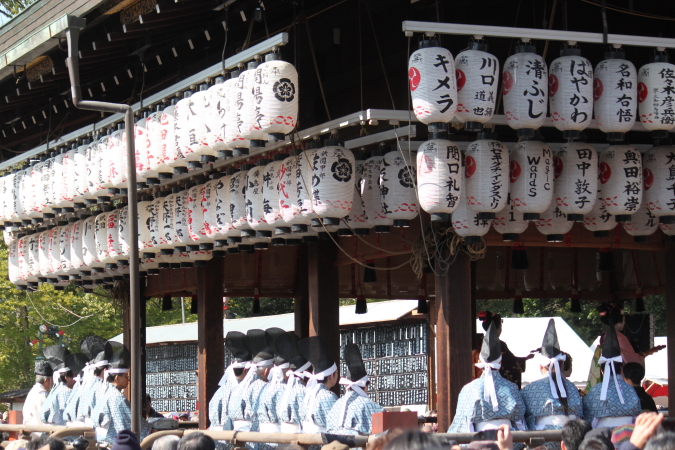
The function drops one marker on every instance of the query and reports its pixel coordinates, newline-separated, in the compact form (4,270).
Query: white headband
(554,364)
(356,387)
(116,371)
(605,379)
(489,392)
(313,383)
(229,375)
(248,379)
(277,373)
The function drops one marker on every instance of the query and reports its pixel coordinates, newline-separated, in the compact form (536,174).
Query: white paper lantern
(509,223)
(101,232)
(33,251)
(146,218)
(216,116)
(571,92)
(620,172)
(105,167)
(576,183)
(34,201)
(92,171)
(255,211)
(642,224)
(553,224)
(357,219)
(80,172)
(525,89)
(196,203)
(171,149)
(10,210)
(234,138)
(64,249)
(54,253)
(288,196)
(113,238)
(477,80)
(659,194)
(655,90)
(123,237)
(14,266)
(277,84)
(69,173)
(141,144)
(252,98)
(196,146)
(304,182)
(466,223)
(330,183)
(118,158)
(615,95)
(156,147)
(274,172)
(598,220)
(218,211)
(182,221)
(370,193)
(89,253)
(433,87)
(397,186)
(486,176)
(23,195)
(168,220)
(76,243)
(238,204)
(184,134)
(45,268)
(531,175)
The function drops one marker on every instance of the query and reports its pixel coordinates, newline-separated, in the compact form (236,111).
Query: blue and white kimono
(289,407)
(315,411)
(472,408)
(352,415)
(266,409)
(216,406)
(239,402)
(97,389)
(540,403)
(70,412)
(112,414)
(596,409)
(53,407)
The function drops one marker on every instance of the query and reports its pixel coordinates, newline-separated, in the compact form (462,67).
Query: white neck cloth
(313,383)
(293,377)
(229,375)
(611,373)
(554,365)
(253,369)
(277,373)
(489,391)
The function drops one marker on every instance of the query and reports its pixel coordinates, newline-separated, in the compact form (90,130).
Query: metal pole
(182,308)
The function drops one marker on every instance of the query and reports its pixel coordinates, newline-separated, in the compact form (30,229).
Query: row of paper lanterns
(443,87)
(251,107)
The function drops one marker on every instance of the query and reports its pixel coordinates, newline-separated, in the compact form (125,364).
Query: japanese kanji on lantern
(509,223)
(370,193)
(656,93)
(466,223)
(255,212)
(199,127)
(171,150)
(477,74)
(277,83)
(234,138)
(215,116)
(331,181)
(186,123)
(252,99)
(615,95)
(659,183)
(598,220)
(576,179)
(270,196)
(196,218)
(431,76)
(397,186)
(531,176)
(118,160)
(238,204)
(140,149)
(356,219)
(642,224)
(439,177)
(570,88)
(146,216)
(525,89)
(553,223)
(155,166)
(288,196)
(620,172)
(486,175)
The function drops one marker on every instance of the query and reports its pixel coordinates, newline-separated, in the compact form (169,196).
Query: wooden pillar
(301,294)
(126,338)
(324,301)
(211,359)
(143,336)
(670,320)
(453,336)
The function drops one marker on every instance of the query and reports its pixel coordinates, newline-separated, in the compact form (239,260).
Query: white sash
(312,428)
(611,373)
(239,425)
(270,428)
(489,391)
(557,420)
(611,422)
(291,428)
(554,366)
(491,424)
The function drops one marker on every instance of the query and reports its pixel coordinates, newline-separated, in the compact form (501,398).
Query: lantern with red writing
(291,209)
(669,230)
(215,117)
(642,224)
(171,146)
(598,220)
(270,196)
(198,146)
(621,180)
(509,223)
(397,186)
(486,175)
(238,204)
(118,160)
(252,99)
(431,76)
(467,224)
(659,184)
(477,74)
(525,89)
(576,183)
(255,212)
(615,95)
(235,116)
(531,176)
(195,217)
(186,120)
(570,88)
(554,224)
(655,89)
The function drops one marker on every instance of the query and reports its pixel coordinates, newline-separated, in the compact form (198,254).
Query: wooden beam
(301,294)
(670,320)
(211,359)
(324,301)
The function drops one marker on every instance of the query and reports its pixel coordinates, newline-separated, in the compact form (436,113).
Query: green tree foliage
(10,8)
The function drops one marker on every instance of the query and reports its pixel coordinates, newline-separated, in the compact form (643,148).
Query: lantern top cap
(159,107)
(478,45)
(615,53)
(331,142)
(486,135)
(428,43)
(661,56)
(235,73)
(280,156)
(247,166)
(526,47)
(187,93)
(219,79)
(203,87)
(264,161)
(174,101)
(252,65)
(312,144)
(570,51)
(274,56)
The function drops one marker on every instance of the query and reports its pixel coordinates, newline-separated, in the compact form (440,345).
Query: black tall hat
(91,346)
(118,355)
(317,351)
(492,347)
(610,346)
(258,345)
(76,362)
(235,341)
(550,346)
(270,335)
(43,368)
(56,355)
(356,369)
(286,347)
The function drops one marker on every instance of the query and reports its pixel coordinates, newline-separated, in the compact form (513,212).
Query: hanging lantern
(62,199)
(76,246)
(33,201)
(397,186)
(17,264)
(217,214)
(642,224)
(185,134)
(356,219)
(525,90)
(304,183)
(101,231)
(467,224)
(141,144)
(33,252)
(252,98)
(508,222)
(208,203)
(659,194)
(107,159)
(196,217)
(89,252)
(79,171)
(171,149)
(118,160)
(43,258)
(598,220)
(531,176)
(234,115)
(238,204)
(477,73)
(277,82)
(112,239)
(215,117)
(289,184)
(655,95)
(570,87)
(54,253)
(92,172)
(669,230)
(155,147)
(147,216)
(255,212)
(370,193)
(329,182)
(486,172)
(270,195)
(576,179)
(197,145)
(162,217)
(620,172)
(615,95)
(554,224)
(431,76)
(168,219)
(123,237)
(64,249)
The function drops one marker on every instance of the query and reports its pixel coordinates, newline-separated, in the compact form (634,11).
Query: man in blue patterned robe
(290,402)
(553,400)
(613,402)
(52,412)
(266,405)
(319,400)
(352,413)
(489,401)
